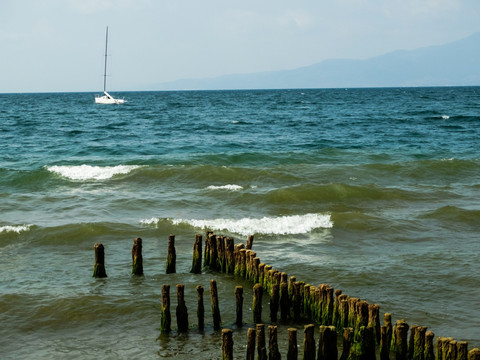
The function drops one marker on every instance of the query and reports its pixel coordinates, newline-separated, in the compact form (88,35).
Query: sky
(58,45)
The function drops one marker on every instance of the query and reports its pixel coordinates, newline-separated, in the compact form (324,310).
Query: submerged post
(309,342)
(292,353)
(181,311)
(171,255)
(239,305)
(273,352)
(197,255)
(251,343)
(137,258)
(166,318)
(200,308)
(261,346)
(99,266)
(249,242)
(257,303)
(227,344)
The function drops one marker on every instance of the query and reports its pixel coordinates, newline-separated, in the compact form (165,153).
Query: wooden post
(251,343)
(336,306)
(347,343)
(284,302)
(274,302)
(256,270)
(206,251)
(327,313)
(474,354)
(220,253)
(292,353)
(387,322)
(352,312)
(181,311)
(343,311)
(99,266)
(413,329)
(384,344)
(200,308)
(327,343)
(215,306)
(261,346)
(296,301)
(239,305)
(362,314)
(229,258)
(374,321)
(429,354)
(257,303)
(399,340)
(197,255)
(171,255)
(166,318)
(213,252)
(452,350)
(439,348)
(419,343)
(243,266)
(137,259)
(273,352)
(309,342)
(462,350)
(249,242)
(227,344)
(238,259)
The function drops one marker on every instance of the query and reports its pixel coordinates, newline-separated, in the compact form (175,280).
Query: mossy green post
(292,353)
(399,340)
(239,305)
(220,254)
(429,352)
(181,310)
(374,321)
(273,352)
(229,257)
(384,344)
(257,303)
(261,344)
(462,350)
(290,293)
(227,344)
(238,259)
(327,315)
(215,305)
(296,301)
(166,317)
(474,354)
(336,305)
(274,302)
(419,343)
(171,255)
(243,268)
(200,308)
(413,329)
(261,273)
(251,334)
(327,343)
(342,312)
(309,342)
(197,255)
(352,314)
(256,270)
(213,252)
(137,258)
(249,242)
(347,343)
(284,302)
(99,266)
(307,311)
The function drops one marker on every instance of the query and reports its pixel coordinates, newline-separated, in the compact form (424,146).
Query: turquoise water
(373,191)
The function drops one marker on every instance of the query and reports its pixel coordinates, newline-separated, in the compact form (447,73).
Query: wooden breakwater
(338,316)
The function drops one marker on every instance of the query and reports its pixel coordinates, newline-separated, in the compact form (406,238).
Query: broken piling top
(171,255)
(99,266)
(137,259)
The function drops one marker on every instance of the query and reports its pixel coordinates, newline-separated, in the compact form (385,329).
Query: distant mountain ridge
(453,64)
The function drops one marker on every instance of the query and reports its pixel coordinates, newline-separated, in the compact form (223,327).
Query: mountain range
(453,64)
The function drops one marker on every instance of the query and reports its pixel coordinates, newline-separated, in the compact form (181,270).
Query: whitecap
(445,117)
(231,187)
(88,172)
(152,221)
(14,228)
(280,225)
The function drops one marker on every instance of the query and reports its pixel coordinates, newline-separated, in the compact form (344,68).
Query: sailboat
(106,98)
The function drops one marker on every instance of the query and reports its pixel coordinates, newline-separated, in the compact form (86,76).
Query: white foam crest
(88,172)
(152,221)
(231,187)
(281,225)
(445,117)
(14,228)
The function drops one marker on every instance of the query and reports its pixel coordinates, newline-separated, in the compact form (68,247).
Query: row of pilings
(357,321)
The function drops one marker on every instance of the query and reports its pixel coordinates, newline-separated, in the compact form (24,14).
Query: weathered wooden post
(227,344)
(273,352)
(213,252)
(352,312)
(243,266)
(239,305)
(171,255)
(206,250)
(462,350)
(419,343)
(251,343)
(257,303)
(220,253)
(166,318)
(200,308)
(99,266)
(292,353)
(238,259)
(181,311)
(229,258)
(327,343)
(137,259)
(384,344)
(274,302)
(374,321)
(399,340)
(284,302)
(215,306)
(197,255)
(413,329)
(429,353)
(336,306)
(347,343)
(343,311)
(309,342)
(296,301)
(474,354)
(327,313)
(261,346)
(249,242)
(256,270)
(387,322)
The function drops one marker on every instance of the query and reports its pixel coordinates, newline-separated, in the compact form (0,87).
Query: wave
(280,225)
(88,172)
(14,228)
(452,214)
(231,187)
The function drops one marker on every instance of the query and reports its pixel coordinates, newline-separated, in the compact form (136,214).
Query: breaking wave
(88,172)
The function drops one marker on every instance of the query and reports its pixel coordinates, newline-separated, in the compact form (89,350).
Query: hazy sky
(58,45)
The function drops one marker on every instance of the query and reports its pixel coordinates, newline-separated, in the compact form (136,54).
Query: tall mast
(105,71)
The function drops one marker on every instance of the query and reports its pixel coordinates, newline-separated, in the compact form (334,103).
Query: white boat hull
(107,99)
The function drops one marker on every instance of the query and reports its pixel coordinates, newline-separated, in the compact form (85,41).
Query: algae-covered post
(274,302)
(181,311)
(166,317)
(327,343)
(347,343)
(215,305)
(239,305)
(251,333)
(309,342)
(197,255)
(261,346)
(429,353)
(200,308)
(227,344)
(137,259)
(171,255)
(99,266)
(229,257)
(273,352)
(249,242)
(257,303)
(292,353)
